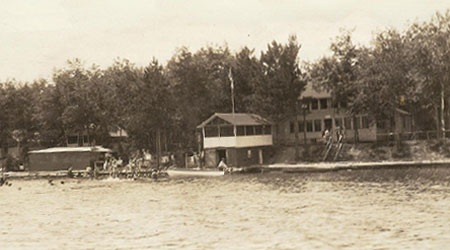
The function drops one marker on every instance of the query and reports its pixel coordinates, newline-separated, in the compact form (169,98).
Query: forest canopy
(400,69)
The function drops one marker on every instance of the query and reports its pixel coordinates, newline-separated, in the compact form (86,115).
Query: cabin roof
(72,149)
(238,119)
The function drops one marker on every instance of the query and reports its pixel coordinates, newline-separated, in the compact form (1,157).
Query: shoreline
(277,167)
(352,165)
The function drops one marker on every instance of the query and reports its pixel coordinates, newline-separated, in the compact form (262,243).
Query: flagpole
(232,91)
(230,76)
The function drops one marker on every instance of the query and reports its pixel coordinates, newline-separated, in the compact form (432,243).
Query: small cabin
(241,139)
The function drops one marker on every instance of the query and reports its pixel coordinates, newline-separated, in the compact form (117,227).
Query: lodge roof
(312,91)
(237,119)
(72,149)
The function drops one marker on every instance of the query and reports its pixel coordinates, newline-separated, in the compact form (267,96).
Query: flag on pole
(230,76)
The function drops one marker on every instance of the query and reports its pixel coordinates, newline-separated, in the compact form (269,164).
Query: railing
(416,135)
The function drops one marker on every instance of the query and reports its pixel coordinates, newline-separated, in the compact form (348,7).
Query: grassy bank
(408,150)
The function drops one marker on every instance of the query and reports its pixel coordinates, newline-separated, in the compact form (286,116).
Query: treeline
(407,70)
(156,100)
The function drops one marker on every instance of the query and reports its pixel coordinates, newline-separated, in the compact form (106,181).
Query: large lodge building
(321,113)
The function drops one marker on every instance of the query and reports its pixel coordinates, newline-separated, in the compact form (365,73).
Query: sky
(37,37)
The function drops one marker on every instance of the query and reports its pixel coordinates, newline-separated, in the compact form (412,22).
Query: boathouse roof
(72,149)
(238,119)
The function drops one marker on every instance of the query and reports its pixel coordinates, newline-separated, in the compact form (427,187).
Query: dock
(64,174)
(336,166)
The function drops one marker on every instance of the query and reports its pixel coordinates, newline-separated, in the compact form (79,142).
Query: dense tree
(276,96)
(200,86)
(429,46)
(338,74)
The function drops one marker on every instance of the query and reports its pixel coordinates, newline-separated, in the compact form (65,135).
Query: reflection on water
(366,209)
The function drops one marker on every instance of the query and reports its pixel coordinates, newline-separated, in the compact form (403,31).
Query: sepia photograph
(254,124)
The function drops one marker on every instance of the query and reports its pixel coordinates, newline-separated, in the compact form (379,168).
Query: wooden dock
(64,174)
(335,166)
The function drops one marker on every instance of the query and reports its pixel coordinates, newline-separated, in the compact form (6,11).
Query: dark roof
(237,119)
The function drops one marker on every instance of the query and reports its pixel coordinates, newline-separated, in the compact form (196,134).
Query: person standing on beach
(222,165)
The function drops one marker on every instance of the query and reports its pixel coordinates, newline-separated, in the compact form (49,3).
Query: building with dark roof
(321,113)
(241,139)
(63,158)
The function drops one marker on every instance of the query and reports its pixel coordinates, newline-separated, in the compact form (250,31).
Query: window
(301,126)
(357,122)
(226,131)
(314,104)
(309,126)
(381,124)
(211,131)
(348,122)
(291,127)
(365,122)
(258,130)
(323,103)
(249,130)
(85,139)
(318,125)
(335,104)
(72,140)
(338,122)
(240,130)
(267,129)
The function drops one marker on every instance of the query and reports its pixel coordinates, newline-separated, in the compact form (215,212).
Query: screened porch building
(241,139)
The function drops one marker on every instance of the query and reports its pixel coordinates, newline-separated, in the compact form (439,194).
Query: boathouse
(241,139)
(62,158)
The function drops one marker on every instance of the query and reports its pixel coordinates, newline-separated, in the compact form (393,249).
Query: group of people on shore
(141,162)
(328,136)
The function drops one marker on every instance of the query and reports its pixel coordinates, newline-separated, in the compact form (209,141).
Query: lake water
(406,208)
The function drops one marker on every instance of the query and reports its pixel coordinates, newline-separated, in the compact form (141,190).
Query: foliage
(400,69)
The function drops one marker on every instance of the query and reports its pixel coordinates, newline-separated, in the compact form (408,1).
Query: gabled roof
(238,119)
(401,111)
(313,92)
(117,132)
(72,149)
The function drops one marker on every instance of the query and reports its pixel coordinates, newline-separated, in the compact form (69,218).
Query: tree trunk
(355,129)
(438,127)
(88,136)
(442,110)
(158,147)
(397,136)
(305,141)
(165,141)
(297,154)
